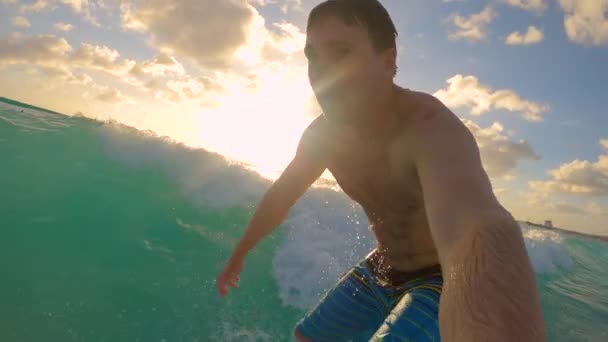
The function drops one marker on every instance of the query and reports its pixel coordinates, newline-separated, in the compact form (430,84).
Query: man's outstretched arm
(306,167)
(490,291)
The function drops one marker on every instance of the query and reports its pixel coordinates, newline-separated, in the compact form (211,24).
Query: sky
(528,77)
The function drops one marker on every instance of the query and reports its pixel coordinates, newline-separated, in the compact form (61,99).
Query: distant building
(548,224)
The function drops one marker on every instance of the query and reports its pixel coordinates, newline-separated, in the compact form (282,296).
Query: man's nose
(324,74)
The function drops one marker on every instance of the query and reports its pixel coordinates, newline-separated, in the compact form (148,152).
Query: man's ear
(390,61)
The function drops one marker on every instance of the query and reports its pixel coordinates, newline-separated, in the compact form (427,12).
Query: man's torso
(379,175)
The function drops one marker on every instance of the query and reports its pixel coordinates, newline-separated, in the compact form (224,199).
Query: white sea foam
(326,235)
(205,178)
(546,249)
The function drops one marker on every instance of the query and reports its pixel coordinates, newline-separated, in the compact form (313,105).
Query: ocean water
(114,234)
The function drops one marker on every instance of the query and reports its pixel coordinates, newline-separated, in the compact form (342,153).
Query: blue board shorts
(364,306)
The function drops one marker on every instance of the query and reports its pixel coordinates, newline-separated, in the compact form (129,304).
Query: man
(450,261)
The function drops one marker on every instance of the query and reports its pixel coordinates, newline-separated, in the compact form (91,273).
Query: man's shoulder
(316,128)
(418,106)
(427,118)
(313,136)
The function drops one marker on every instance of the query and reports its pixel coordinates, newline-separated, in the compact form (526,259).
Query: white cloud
(532,36)
(208,31)
(186,89)
(604,143)
(102,57)
(537,6)
(63,27)
(473,27)
(37,6)
(65,76)
(191,29)
(551,204)
(21,22)
(586,21)
(263,45)
(292,5)
(499,154)
(113,96)
(42,50)
(288,40)
(85,8)
(579,177)
(57,59)
(76,5)
(466,91)
(161,65)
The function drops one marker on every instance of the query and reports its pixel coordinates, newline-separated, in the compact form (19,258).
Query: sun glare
(260,119)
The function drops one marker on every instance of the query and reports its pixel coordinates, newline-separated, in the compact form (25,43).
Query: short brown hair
(368,13)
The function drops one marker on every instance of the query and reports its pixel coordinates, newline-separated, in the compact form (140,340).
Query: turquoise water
(113,234)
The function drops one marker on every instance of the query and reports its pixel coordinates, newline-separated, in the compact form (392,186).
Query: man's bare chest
(373,176)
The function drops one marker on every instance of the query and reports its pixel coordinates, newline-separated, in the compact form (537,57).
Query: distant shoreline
(597,237)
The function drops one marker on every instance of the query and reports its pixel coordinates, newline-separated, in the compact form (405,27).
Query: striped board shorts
(363,307)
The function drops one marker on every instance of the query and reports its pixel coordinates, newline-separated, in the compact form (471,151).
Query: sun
(259,120)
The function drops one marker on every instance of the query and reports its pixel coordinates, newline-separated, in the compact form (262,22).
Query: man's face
(344,70)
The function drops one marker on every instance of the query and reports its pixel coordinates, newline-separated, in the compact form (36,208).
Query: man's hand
(229,276)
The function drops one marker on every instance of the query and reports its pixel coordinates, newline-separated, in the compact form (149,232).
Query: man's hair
(368,13)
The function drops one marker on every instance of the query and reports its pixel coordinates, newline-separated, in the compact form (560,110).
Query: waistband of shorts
(396,278)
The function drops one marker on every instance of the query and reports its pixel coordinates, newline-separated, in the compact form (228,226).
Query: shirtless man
(450,261)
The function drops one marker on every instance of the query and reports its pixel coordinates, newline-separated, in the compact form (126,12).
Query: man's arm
(490,291)
(307,166)
(300,174)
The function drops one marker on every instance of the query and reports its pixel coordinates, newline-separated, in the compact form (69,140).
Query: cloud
(42,50)
(65,76)
(187,89)
(537,6)
(191,29)
(208,31)
(532,36)
(161,65)
(285,5)
(52,51)
(57,59)
(586,21)
(101,57)
(60,77)
(265,45)
(604,143)
(579,177)
(466,91)
(37,6)
(21,22)
(112,96)
(83,7)
(499,154)
(473,27)
(546,201)
(63,27)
